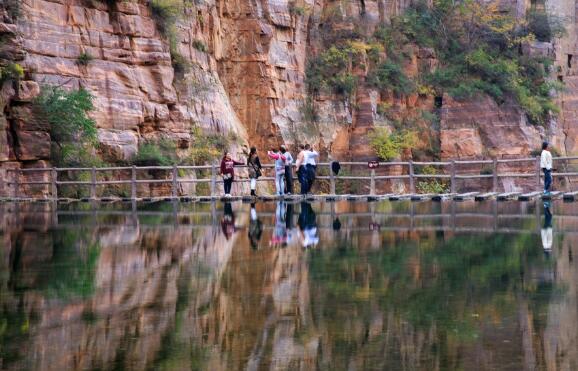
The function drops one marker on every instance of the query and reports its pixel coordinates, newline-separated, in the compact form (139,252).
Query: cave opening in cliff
(438,101)
(569,62)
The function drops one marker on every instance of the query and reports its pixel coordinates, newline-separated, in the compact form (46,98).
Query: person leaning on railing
(228,172)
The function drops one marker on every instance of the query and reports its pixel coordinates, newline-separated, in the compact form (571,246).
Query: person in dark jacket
(228,172)
(255,169)
(288,170)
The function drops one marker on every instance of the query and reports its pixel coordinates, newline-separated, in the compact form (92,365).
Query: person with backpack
(279,170)
(255,169)
(288,170)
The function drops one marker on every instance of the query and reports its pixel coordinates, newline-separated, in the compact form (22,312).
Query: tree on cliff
(72,131)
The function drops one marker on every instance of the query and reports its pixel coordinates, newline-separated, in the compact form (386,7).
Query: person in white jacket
(546,165)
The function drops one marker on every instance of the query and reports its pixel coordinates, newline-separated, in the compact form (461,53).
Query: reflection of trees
(415,305)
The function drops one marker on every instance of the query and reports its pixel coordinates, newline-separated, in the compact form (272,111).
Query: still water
(289,286)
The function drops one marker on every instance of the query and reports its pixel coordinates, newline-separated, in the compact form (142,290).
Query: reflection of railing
(406,171)
(408,221)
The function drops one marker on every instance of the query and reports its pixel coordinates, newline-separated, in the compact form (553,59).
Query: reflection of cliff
(186,298)
(122,322)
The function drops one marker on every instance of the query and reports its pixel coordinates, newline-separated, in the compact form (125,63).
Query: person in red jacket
(228,172)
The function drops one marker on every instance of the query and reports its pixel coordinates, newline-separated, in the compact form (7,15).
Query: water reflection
(231,286)
(546,232)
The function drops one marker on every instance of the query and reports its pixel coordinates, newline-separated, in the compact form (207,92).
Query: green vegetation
(446,291)
(12,71)
(207,148)
(436,186)
(389,146)
(12,7)
(477,46)
(200,46)
(67,114)
(545,26)
(479,52)
(389,76)
(156,153)
(72,131)
(166,14)
(331,70)
(84,59)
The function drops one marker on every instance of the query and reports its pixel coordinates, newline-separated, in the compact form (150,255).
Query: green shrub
(206,148)
(434,185)
(331,70)
(388,146)
(156,153)
(200,46)
(67,114)
(12,7)
(544,26)
(389,76)
(12,71)
(166,13)
(84,59)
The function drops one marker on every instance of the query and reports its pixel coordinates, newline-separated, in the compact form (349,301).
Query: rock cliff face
(246,71)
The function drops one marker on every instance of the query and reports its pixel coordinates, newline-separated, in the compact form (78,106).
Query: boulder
(27,91)
(118,145)
(32,145)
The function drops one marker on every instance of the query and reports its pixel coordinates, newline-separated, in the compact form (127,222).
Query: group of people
(305,165)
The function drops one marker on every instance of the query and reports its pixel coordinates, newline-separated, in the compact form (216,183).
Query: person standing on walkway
(255,169)
(288,170)
(310,159)
(546,165)
(279,170)
(228,172)
(301,171)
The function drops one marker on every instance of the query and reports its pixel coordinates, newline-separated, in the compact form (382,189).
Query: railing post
(331,180)
(213,179)
(538,173)
(453,177)
(372,183)
(495,176)
(54,183)
(411,180)
(133,183)
(16,182)
(175,181)
(93,183)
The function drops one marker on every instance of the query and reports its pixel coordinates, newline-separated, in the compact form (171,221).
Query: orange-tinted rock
(32,145)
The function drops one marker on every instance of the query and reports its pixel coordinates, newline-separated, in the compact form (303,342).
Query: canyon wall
(244,79)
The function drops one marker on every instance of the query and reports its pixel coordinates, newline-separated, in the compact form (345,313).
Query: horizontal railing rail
(409,171)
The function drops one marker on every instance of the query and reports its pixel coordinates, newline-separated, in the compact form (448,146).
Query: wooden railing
(407,169)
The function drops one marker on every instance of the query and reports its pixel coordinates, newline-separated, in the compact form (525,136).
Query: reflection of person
(546,165)
(228,172)
(291,233)
(279,237)
(228,221)
(255,228)
(308,225)
(546,231)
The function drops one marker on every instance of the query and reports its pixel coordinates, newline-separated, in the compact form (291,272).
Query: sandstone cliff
(245,75)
